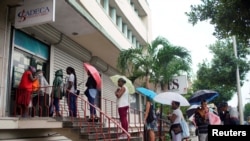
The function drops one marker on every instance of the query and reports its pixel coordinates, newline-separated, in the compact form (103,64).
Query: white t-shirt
(124,99)
(178,114)
(72,79)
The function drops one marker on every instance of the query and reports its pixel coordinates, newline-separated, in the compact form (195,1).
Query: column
(113,14)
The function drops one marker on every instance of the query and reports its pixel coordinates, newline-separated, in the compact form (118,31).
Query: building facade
(92,31)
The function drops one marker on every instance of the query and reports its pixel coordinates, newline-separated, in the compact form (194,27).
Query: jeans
(72,105)
(91,95)
(56,104)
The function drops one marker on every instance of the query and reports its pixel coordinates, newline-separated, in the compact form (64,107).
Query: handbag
(176,128)
(185,128)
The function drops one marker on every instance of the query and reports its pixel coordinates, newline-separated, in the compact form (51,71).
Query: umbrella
(191,110)
(199,95)
(168,97)
(128,83)
(93,71)
(146,92)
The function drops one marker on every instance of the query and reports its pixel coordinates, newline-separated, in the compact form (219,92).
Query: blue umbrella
(146,92)
(200,95)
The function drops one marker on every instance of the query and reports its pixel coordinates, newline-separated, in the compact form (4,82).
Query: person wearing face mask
(41,97)
(25,90)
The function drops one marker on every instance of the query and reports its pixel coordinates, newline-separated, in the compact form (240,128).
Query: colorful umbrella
(128,83)
(146,92)
(93,71)
(200,95)
(168,97)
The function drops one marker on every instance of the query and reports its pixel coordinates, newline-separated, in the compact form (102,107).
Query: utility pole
(238,84)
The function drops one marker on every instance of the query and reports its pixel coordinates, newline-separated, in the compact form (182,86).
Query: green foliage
(220,74)
(229,17)
(160,60)
(246,111)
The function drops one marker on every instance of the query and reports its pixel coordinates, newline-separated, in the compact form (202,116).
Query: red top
(25,82)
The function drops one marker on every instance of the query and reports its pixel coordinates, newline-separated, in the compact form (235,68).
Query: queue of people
(42,97)
(35,97)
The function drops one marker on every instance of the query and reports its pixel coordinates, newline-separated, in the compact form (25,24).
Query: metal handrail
(106,116)
(130,109)
(80,121)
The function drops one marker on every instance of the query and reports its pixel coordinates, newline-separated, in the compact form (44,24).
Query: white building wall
(4,56)
(106,22)
(132,17)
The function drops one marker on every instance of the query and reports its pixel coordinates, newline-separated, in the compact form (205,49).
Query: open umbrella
(168,97)
(146,92)
(128,83)
(200,95)
(191,110)
(93,71)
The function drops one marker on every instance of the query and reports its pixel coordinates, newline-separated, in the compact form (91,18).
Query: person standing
(175,118)
(42,96)
(151,125)
(202,120)
(224,113)
(91,93)
(122,95)
(57,93)
(71,88)
(25,90)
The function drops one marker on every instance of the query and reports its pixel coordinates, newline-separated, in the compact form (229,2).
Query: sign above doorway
(31,14)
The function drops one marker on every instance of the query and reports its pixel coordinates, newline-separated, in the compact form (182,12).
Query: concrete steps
(96,131)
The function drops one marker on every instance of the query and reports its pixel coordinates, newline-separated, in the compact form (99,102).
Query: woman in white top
(123,104)
(71,88)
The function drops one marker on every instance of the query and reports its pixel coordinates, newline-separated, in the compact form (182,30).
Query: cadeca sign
(178,84)
(35,13)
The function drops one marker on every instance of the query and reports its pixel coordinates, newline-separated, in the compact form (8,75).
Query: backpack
(151,114)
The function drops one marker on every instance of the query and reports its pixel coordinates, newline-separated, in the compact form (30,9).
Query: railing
(42,109)
(135,121)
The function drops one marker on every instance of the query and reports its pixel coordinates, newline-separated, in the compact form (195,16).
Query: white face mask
(40,74)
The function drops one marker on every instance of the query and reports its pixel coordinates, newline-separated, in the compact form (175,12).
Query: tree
(228,17)
(246,111)
(159,60)
(220,74)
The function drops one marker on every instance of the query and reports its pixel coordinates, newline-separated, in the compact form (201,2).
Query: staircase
(108,127)
(96,131)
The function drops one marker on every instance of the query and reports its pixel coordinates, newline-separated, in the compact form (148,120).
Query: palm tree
(159,60)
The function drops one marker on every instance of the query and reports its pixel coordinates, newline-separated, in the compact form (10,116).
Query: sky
(169,20)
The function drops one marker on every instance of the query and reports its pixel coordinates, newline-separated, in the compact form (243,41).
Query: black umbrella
(191,110)
(200,95)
